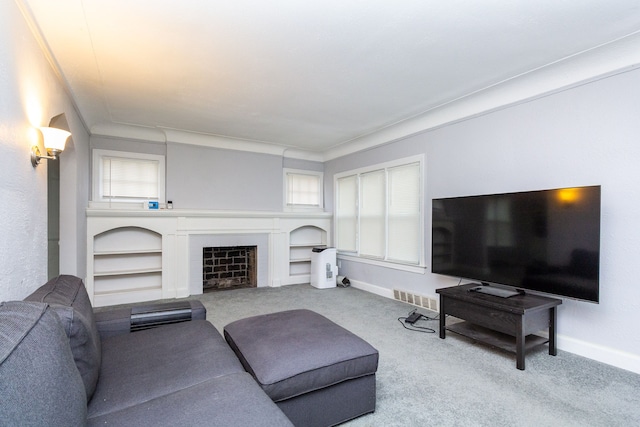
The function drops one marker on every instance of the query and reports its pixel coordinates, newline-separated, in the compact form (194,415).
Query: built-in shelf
(302,240)
(127,265)
(125,252)
(127,272)
(138,255)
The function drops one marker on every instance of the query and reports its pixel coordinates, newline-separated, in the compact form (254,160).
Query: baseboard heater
(150,316)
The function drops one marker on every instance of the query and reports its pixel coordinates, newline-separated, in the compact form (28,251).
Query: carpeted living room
(424,380)
(319,213)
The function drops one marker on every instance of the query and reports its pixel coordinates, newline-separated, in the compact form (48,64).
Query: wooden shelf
(140,289)
(127,272)
(127,252)
(495,339)
(301,260)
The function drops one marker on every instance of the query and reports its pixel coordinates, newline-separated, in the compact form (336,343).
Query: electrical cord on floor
(413,326)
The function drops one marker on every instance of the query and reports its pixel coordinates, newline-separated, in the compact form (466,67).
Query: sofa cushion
(294,352)
(151,363)
(68,297)
(39,381)
(230,400)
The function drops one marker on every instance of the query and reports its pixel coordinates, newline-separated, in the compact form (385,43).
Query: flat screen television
(546,241)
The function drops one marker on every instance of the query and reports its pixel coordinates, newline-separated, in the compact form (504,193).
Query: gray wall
(586,135)
(31,96)
(303,164)
(209,178)
(199,177)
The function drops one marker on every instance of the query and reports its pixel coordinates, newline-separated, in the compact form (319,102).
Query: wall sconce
(54,141)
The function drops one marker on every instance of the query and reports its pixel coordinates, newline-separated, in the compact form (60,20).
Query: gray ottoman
(317,372)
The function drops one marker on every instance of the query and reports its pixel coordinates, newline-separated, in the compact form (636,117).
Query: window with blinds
(372,213)
(379,212)
(346,213)
(127,177)
(303,189)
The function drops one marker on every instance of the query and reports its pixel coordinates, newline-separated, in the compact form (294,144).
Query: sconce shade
(54,142)
(54,138)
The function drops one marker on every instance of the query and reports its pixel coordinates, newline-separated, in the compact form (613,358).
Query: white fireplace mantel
(140,255)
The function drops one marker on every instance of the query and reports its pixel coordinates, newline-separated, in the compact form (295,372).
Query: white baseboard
(609,356)
(374,289)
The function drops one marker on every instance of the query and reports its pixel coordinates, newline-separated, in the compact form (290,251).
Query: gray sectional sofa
(61,364)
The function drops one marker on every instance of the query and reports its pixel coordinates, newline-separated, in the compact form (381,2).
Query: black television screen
(547,241)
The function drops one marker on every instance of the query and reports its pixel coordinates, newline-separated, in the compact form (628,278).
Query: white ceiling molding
(139,133)
(613,58)
(217,141)
(163,135)
(293,153)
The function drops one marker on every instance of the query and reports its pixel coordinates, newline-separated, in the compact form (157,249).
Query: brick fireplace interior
(229,267)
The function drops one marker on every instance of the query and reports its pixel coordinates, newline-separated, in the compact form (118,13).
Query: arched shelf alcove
(127,266)
(301,241)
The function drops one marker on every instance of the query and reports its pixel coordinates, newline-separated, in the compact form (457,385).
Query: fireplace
(229,267)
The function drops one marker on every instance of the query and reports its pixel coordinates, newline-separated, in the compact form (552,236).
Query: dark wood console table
(519,316)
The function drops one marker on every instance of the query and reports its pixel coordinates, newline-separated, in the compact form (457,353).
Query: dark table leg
(442,317)
(520,337)
(553,351)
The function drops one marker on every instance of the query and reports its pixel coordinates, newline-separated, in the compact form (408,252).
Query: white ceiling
(313,75)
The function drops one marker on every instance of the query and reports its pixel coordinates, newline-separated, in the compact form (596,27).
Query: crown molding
(619,56)
(616,57)
(177,136)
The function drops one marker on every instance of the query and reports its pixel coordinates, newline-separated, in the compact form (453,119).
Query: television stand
(506,323)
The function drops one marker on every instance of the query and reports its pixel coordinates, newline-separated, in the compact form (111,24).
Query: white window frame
(419,267)
(100,200)
(288,205)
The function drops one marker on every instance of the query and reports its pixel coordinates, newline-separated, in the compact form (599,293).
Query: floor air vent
(414,299)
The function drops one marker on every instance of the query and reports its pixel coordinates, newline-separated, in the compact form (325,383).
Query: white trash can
(323,268)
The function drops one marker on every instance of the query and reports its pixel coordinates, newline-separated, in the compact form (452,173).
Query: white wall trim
(374,289)
(177,136)
(610,356)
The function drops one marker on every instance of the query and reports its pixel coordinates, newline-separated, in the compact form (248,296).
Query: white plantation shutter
(372,214)
(404,225)
(346,215)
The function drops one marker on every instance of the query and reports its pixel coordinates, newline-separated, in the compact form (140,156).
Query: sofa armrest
(125,320)
(113,322)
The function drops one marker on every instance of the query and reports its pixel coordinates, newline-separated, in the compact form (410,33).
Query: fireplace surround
(136,255)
